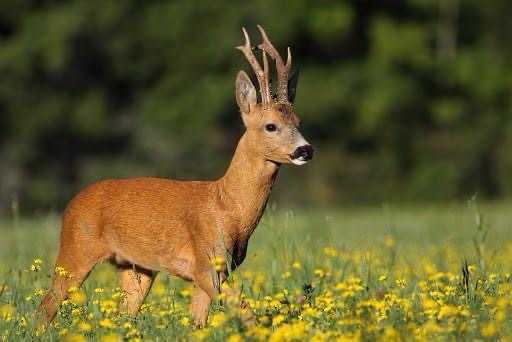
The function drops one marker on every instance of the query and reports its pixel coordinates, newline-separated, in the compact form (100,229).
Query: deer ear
(245,92)
(292,84)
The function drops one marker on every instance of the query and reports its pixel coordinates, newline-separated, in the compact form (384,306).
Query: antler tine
(282,69)
(267,79)
(288,59)
(261,75)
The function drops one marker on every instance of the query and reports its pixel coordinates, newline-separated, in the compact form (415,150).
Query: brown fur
(146,225)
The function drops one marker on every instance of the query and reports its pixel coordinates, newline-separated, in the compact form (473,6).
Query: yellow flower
(390,334)
(74,338)
(76,296)
(185,321)
(111,338)
(61,272)
(296,265)
(447,311)
(286,275)
(6,312)
(278,320)
(185,293)
(319,272)
(158,289)
(218,263)
(201,334)
(288,332)
(108,306)
(107,323)
(401,283)
(36,265)
(489,329)
(84,327)
(217,319)
(330,251)
(235,338)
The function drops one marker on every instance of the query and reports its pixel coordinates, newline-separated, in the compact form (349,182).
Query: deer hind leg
(71,270)
(136,283)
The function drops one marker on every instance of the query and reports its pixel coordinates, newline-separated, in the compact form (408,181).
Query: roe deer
(146,225)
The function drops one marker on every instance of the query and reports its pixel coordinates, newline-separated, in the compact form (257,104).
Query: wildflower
(118,294)
(185,293)
(330,251)
(39,292)
(294,331)
(76,296)
(36,265)
(108,306)
(75,338)
(61,272)
(185,321)
(111,338)
(488,330)
(107,323)
(447,311)
(296,265)
(278,320)
(146,307)
(7,312)
(286,275)
(319,273)
(235,338)
(217,319)
(158,289)
(401,283)
(390,334)
(218,263)
(201,334)
(84,327)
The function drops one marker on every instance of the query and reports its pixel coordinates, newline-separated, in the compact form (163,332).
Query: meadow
(432,272)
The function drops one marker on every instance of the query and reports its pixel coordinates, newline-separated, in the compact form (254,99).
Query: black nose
(306,152)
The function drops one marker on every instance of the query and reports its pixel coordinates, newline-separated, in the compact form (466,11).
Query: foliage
(402,100)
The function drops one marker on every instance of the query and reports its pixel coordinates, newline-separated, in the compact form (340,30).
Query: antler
(262,75)
(282,69)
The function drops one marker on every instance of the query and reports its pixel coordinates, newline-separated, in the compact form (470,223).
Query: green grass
(392,242)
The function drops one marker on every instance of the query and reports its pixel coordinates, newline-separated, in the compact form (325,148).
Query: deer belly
(176,262)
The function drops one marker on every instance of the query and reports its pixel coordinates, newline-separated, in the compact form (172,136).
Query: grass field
(389,273)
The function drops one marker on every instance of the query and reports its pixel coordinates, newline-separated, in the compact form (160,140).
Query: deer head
(272,125)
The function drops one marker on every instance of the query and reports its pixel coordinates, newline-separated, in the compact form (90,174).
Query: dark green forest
(403,100)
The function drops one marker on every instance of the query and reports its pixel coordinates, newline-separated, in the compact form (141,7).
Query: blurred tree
(403,99)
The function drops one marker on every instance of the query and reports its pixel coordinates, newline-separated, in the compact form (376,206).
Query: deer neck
(246,187)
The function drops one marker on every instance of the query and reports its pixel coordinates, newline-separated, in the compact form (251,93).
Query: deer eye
(270,127)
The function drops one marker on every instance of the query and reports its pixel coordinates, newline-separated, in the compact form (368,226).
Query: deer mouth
(299,161)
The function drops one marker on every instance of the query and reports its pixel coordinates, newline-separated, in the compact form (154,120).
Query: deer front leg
(202,296)
(206,289)
(200,305)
